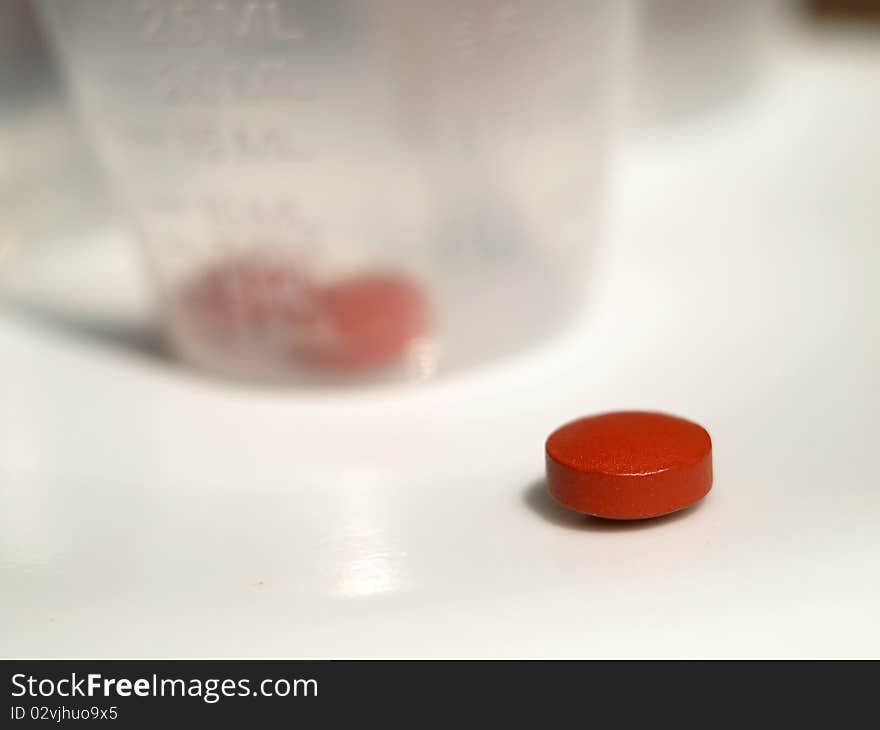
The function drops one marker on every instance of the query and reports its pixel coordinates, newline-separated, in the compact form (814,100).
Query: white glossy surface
(145,511)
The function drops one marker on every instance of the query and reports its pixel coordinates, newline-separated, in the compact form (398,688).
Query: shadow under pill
(538,500)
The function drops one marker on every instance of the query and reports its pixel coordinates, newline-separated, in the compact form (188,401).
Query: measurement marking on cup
(209,83)
(151,145)
(170,22)
(216,145)
(230,213)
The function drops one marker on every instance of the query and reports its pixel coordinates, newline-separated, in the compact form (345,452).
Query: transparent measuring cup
(350,188)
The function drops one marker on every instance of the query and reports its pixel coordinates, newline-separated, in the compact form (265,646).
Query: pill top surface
(629,465)
(630,442)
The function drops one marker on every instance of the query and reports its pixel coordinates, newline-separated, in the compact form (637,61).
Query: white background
(146,511)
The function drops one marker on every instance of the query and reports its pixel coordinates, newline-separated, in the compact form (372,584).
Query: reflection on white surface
(367,564)
(423,358)
(368,575)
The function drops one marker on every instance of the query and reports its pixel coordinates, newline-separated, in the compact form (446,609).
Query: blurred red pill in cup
(366,321)
(359,323)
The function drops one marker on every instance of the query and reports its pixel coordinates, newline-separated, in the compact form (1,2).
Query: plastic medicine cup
(430,168)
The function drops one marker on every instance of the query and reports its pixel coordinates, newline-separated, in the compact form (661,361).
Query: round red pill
(629,466)
(366,321)
(262,305)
